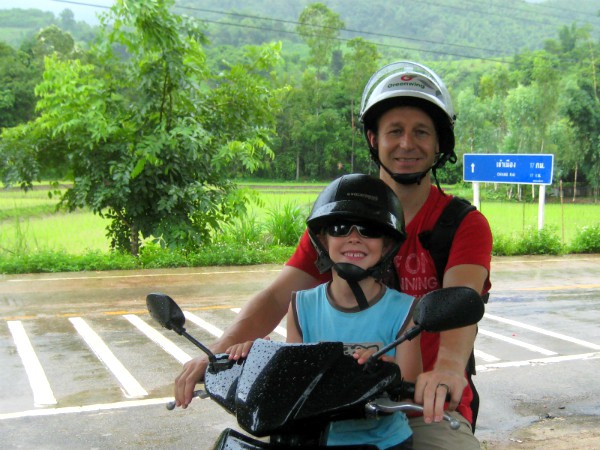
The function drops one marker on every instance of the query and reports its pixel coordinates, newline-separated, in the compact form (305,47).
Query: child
(356,225)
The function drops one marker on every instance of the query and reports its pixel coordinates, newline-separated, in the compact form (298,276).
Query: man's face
(406,140)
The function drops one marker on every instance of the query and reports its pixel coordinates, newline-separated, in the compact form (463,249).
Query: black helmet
(357,198)
(361,198)
(406,83)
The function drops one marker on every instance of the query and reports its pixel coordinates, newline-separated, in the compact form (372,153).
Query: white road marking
(533,348)
(217,332)
(485,356)
(535,362)
(145,275)
(278,329)
(42,392)
(166,344)
(87,408)
(131,387)
(542,331)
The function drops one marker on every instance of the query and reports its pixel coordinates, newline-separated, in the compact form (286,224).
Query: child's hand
(362,355)
(238,351)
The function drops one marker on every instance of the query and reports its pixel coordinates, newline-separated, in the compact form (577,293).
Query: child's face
(354,248)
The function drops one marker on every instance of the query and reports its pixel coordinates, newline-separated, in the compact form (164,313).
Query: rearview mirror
(448,308)
(166,312)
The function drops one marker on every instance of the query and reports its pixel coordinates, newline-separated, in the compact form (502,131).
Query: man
(408,120)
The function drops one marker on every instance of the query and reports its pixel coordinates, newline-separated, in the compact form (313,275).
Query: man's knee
(439,436)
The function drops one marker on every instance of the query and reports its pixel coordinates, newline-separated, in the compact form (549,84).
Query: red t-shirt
(472,244)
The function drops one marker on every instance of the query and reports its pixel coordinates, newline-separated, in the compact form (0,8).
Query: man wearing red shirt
(408,120)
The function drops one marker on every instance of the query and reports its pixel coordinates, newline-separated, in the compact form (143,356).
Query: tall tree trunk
(134,240)
(353,134)
(575,184)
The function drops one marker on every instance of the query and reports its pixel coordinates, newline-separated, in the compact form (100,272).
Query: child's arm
(408,357)
(293,334)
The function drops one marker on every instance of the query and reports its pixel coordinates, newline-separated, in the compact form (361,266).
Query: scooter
(290,393)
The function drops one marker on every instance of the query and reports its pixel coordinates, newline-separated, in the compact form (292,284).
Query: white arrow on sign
(472,167)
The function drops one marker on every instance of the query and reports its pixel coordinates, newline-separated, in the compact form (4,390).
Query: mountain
(436,29)
(440,29)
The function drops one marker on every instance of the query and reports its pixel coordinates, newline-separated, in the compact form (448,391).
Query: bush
(503,245)
(285,224)
(59,261)
(587,240)
(241,230)
(539,242)
(532,242)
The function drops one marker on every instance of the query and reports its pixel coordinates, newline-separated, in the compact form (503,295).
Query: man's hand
(431,389)
(192,373)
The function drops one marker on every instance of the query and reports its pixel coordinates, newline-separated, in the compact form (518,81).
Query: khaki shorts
(439,436)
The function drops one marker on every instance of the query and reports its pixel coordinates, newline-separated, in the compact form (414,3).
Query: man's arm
(454,352)
(258,318)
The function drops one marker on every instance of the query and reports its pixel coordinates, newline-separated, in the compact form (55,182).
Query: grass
(30,227)
(513,219)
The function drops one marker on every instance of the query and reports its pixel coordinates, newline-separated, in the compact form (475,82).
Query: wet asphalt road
(538,351)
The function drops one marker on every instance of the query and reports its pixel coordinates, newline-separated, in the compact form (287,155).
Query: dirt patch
(557,433)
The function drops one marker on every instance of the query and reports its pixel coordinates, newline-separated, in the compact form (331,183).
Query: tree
(320,28)
(150,135)
(17,82)
(361,61)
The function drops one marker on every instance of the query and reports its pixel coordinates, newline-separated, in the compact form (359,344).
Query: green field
(28,221)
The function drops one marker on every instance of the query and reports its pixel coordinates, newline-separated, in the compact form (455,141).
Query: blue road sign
(507,168)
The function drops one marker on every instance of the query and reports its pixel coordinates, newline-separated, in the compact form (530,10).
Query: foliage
(152,122)
(152,256)
(249,239)
(17,80)
(59,261)
(149,135)
(286,223)
(587,240)
(241,230)
(531,242)
(320,27)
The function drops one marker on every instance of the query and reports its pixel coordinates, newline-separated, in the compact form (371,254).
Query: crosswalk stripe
(42,392)
(130,385)
(86,408)
(533,348)
(278,329)
(166,344)
(217,332)
(542,331)
(536,362)
(485,356)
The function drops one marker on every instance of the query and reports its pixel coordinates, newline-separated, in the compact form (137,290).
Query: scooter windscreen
(287,387)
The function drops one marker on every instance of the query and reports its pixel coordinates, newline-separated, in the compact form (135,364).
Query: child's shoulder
(396,295)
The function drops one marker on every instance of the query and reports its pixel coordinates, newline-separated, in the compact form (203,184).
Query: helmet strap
(405,178)
(353,274)
(415,177)
(359,295)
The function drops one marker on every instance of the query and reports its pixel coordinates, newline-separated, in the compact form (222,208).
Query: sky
(82,9)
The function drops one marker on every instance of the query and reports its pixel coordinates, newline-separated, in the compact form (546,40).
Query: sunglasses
(344,229)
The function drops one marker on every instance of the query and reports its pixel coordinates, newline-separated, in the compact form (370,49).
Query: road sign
(507,168)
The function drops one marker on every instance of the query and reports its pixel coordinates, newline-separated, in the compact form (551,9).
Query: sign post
(509,168)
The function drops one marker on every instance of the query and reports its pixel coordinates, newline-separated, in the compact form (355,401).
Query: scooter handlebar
(199,393)
(386,405)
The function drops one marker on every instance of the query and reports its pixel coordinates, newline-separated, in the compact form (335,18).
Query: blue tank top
(318,320)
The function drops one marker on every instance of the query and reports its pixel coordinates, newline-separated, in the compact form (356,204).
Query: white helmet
(412,84)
